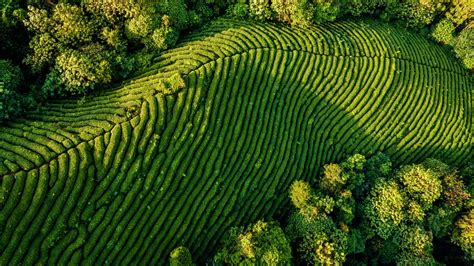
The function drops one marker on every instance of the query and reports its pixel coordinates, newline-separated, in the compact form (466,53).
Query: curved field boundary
(135,171)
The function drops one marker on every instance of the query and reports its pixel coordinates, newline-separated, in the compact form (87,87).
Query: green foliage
(10,76)
(463,235)
(318,240)
(460,11)
(333,179)
(285,10)
(84,69)
(384,208)
(420,184)
(443,32)
(260,243)
(376,167)
(181,256)
(162,38)
(441,219)
(10,80)
(416,13)
(171,84)
(260,10)
(464,46)
(177,12)
(69,24)
(455,193)
(239,11)
(324,248)
(393,219)
(325,10)
(81,47)
(300,193)
(416,241)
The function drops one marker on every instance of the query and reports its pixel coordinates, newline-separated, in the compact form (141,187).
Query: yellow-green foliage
(460,11)
(464,233)
(181,256)
(385,208)
(443,32)
(260,243)
(420,184)
(394,218)
(333,178)
(300,193)
(464,45)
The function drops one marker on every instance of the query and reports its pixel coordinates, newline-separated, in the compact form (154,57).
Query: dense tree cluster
(366,212)
(70,47)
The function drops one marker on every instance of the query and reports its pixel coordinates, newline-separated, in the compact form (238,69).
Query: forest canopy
(367,212)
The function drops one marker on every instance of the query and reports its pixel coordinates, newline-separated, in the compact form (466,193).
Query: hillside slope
(127,175)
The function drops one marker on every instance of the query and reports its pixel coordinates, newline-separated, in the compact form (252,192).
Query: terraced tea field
(130,173)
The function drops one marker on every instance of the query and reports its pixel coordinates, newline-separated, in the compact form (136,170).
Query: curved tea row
(126,175)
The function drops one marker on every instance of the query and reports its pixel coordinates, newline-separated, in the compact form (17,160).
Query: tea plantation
(213,134)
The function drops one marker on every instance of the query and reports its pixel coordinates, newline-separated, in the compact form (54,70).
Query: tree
(300,193)
(464,46)
(443,32)
(460,11)
(463,235)
(260,243)
(384,208)
(260,10)
(181,256)
(83,69)
(415,13)
(10,80)
(420,184)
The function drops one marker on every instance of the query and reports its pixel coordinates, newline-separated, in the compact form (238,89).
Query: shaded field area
(128,174)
